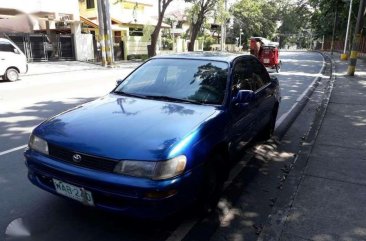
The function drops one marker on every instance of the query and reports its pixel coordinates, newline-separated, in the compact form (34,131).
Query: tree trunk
(155,34)
(194,33)
(195,30)
(154,40)
(154,37)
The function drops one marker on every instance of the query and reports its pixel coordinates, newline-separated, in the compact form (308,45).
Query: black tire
(278,68)
(213,182)
(11,74)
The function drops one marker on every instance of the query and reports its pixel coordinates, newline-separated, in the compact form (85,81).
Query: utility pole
(344,55)
(108,33)
(223,30)
(105,32)
(101,31)
(334,28)
(356,39)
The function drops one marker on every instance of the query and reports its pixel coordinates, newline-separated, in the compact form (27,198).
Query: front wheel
(278,68)
(213,182)
(11,74)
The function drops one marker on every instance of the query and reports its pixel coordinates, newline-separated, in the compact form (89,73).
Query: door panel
(243,117)
(264,95)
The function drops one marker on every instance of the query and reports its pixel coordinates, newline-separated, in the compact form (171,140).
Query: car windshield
(180,80)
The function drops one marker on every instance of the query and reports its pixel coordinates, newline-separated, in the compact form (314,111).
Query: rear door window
(261,76)
(249,74)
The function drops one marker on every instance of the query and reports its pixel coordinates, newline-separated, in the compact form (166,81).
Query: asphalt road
(26,103)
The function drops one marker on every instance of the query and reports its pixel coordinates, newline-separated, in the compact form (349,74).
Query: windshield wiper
(168,98)
(129,94)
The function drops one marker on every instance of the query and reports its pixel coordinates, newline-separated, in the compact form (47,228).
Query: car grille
(88,161)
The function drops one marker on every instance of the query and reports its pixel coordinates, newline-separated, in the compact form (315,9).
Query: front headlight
(153,170)
(38,144)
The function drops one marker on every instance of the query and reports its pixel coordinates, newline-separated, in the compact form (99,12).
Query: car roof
(5,40)
(212,55)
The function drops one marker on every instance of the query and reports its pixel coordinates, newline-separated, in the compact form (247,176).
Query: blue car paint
(121,123)
(131,128)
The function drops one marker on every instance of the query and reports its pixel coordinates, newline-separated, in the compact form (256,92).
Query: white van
(12,60)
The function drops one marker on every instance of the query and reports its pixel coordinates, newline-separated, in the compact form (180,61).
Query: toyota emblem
(76,158)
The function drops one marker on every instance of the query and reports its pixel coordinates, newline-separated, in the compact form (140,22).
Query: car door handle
(2,59)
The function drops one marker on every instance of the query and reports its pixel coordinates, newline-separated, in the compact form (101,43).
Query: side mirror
(16,51)
(244,97)
(118,82)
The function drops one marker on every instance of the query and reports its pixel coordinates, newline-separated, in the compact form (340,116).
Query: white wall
(85,48)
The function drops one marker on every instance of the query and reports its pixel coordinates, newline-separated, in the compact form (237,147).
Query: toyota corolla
(161,140)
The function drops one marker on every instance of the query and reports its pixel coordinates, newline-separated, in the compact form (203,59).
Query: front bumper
(113,192)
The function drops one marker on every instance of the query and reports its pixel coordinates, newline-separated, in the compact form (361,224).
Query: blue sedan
(163,139)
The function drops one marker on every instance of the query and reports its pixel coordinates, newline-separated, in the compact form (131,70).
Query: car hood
(121,127)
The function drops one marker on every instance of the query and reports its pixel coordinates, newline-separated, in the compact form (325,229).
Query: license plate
(266,61)
(74,192)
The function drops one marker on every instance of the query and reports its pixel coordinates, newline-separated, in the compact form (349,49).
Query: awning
(20,23)
(89,22)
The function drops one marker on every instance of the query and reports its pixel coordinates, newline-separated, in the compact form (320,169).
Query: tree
(162,6)
(255,18)
(323,16)
(295,18)
(197,15)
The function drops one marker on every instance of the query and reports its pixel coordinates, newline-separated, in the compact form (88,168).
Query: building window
(136,32)
(90,4)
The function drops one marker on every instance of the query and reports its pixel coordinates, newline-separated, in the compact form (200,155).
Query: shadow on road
(16,126)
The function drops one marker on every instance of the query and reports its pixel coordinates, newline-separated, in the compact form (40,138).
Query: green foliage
(222,14)
(208,41)
(167,43)
(324,13)
(192,13)
(255,17)
(197,15)
(295,23)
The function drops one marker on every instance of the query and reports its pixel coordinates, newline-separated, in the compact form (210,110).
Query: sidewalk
(330,201)
(37,68)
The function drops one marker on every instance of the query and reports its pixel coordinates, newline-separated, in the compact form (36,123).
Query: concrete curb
(285,121)
(273,229)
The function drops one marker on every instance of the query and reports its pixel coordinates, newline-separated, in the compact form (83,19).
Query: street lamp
(344,55)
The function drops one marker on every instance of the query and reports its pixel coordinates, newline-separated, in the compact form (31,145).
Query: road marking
(13,149)
(182,230)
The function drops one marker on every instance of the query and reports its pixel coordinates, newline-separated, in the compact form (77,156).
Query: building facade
(53,28)
(132,25)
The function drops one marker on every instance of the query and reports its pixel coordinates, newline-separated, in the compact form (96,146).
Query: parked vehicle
(266,51)
(12,60)
(161,140)
(269,57)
